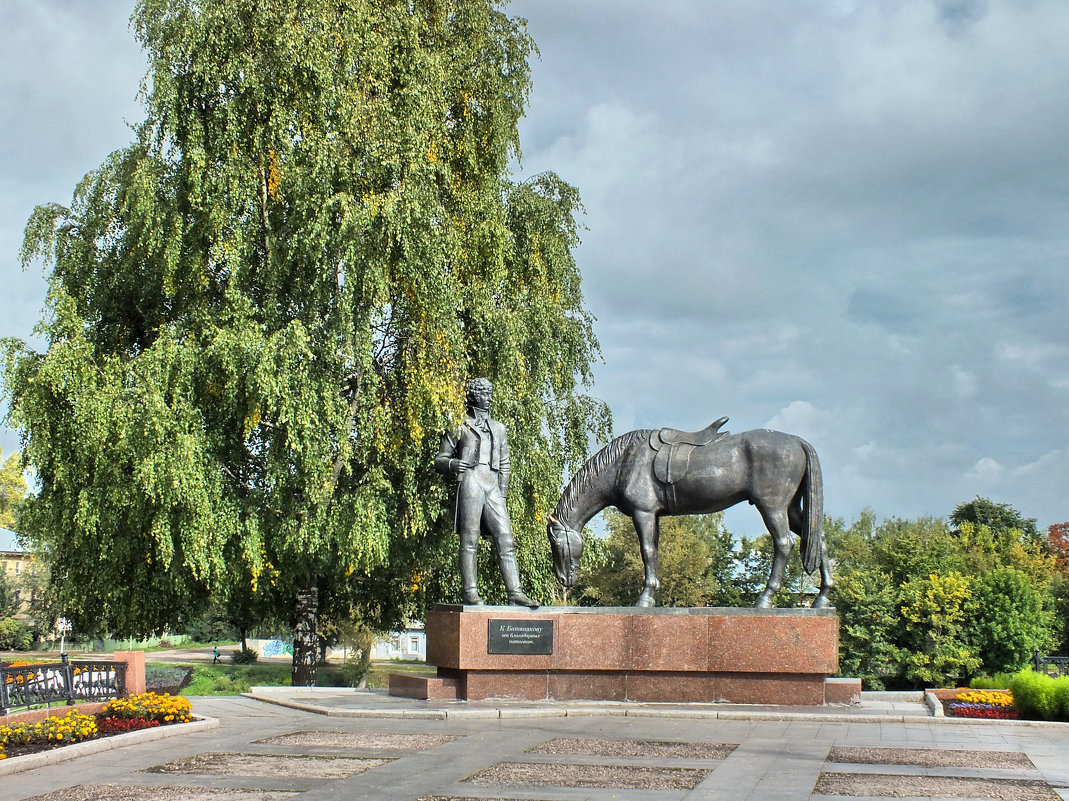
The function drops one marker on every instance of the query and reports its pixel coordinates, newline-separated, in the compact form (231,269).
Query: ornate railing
(1052,665)
(48,683)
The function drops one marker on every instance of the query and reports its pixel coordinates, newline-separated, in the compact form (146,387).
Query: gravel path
(296,766)
(548,774)
(634,748)
(931,758)
(358,742)
(901,786)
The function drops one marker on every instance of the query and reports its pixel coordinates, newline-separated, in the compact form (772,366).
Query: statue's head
(567,546)
(480,393)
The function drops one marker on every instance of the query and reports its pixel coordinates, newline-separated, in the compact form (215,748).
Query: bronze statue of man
(478,455)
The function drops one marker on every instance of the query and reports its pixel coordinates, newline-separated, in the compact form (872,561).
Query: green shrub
(865,601)
(1033,695)
(353,671)
(1061,697)
(244,656)
(15,635)
(1007,621)
(1000,681)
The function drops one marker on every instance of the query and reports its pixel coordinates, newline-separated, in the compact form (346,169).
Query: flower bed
(982,704)
(120,716)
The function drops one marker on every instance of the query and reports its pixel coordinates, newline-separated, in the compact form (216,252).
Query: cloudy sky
(846,220)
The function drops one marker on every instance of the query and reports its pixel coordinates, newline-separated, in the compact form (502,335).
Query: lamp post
(63,626)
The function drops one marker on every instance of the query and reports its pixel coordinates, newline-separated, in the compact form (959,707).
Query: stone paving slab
(777,758)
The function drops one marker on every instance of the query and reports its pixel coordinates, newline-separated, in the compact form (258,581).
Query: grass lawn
(230,679)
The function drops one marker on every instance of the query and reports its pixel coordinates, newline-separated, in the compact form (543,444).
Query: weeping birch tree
(262,312)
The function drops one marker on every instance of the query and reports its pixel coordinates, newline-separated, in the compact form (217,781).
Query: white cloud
(798,417)
(986,471)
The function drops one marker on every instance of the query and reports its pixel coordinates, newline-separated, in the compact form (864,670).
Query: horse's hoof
(763,603)
(645,601)
(821,603)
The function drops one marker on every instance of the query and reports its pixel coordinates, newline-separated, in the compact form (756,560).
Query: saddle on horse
(674,447)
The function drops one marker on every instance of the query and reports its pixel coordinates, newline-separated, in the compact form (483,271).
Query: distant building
(409,645)
(14,562)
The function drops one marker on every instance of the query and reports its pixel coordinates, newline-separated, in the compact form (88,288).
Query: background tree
(935,609)
(12,488)
(1058,546)
(696,563)
(262,312)
(8,605)
(997,516)
(1008,620)
(869,618)
(922,602)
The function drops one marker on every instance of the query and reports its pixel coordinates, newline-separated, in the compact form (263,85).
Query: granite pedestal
(753,656)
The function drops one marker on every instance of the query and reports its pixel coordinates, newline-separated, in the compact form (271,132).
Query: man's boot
(510,572)
(468,574)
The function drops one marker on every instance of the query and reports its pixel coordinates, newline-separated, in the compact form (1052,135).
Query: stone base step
(425,688)
(842,691)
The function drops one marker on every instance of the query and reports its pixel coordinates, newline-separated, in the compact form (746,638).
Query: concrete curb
(934,704)
(88,747)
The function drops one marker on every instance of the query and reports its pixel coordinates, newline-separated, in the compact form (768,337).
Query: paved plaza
(357,745)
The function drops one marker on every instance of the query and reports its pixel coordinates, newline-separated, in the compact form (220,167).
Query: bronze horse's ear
(553,520)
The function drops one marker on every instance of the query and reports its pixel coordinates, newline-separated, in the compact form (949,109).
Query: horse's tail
(812,496)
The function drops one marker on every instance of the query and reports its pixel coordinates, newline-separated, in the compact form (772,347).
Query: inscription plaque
(520,637)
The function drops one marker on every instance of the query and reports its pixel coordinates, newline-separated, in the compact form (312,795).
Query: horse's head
(567,546)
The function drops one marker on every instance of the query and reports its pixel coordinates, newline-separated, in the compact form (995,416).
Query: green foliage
(1007,621)
(354,669)
(934,610)
(262,312)
(8,607)
(244,656)
(1061,697)
(997,516)
(237,679)
(1033,695)
(998,681)
(696,561)
(1059,605)
(15,635)
(868,618)
(12,488)
(211,626)
(975,596)
(753,563)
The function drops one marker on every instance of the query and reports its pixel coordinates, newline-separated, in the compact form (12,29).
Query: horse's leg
(823,598)
(779,528)
(649,532)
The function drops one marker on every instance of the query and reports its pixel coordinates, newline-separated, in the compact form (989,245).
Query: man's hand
(459,466)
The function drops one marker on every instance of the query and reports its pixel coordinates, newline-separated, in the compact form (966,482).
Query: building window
(413,644)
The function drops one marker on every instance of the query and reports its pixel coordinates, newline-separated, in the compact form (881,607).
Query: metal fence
(64,682)
(1052,665)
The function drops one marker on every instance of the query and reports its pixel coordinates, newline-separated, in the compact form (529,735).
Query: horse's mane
(604,458)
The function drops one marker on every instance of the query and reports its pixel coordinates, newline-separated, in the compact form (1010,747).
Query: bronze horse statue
(649,473)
